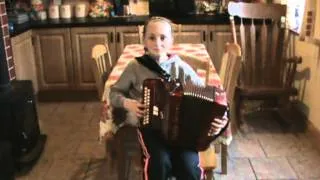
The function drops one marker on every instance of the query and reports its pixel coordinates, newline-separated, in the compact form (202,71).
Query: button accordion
(182,113)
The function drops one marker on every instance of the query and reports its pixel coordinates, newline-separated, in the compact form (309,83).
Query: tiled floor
(260,151)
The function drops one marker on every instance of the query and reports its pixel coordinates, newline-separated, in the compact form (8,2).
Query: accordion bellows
(183,113)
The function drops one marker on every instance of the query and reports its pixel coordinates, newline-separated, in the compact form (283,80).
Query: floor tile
(99,170)
(272,168)
(245,148)
(90,149)
(280,145)
(261,150)
(261,122)
(306,165)
(67,169)
(238,168)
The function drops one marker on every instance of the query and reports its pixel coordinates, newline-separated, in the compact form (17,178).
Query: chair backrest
(263,42)
(197,64)
(290,70)
(101,65)
(230,69)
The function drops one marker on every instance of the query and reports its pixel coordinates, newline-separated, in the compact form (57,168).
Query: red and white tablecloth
(134,50)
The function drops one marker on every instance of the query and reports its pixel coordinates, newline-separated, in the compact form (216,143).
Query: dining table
(135,50)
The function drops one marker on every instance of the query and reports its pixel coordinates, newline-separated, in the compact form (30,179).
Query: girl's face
(158,38)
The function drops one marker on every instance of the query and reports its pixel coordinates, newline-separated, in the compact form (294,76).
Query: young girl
(161,160)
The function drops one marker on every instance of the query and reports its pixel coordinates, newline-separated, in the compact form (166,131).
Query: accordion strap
(152,65)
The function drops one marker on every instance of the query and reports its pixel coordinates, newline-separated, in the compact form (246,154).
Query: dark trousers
(165,160)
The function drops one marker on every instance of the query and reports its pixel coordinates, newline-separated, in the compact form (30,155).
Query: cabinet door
(83,40)
(53,58)
(191,34)
(218,36)
(24,59)
(126,35)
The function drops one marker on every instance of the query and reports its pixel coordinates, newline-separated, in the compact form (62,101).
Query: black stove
(20,138)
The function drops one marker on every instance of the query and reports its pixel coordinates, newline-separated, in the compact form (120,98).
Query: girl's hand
(217,124)
(134,106)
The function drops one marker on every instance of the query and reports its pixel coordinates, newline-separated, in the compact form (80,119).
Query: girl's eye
(162,37)
(152,38)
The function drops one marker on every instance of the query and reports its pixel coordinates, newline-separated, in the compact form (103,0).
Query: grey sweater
(130,82)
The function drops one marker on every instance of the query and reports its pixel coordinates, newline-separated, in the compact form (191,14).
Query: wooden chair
(229,73)
(266,73)
(101,65)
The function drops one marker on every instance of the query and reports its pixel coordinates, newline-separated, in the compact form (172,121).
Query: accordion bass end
(182,113)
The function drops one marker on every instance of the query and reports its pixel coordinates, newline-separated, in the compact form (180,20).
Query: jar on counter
(42,15)
(66,11)
(81,10)
(54,11)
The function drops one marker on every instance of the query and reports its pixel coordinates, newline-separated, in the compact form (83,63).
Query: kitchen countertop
(114,21)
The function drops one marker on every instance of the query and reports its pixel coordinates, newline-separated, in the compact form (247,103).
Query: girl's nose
(158,41)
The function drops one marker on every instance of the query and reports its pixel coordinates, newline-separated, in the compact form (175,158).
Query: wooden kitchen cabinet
(83,40)
(126,35)
(191,34)
(24,58)
(53,58)
(63,55)
(218,36)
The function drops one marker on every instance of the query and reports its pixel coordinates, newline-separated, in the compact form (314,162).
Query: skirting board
(314,134)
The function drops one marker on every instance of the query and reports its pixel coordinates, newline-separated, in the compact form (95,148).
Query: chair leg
(238,108)
(209,174)
(224,159)
(110,155)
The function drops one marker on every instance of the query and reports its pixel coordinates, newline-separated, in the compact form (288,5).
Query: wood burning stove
(19,123)
(19,126)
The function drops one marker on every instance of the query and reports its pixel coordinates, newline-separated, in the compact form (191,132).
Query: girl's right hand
(134,106)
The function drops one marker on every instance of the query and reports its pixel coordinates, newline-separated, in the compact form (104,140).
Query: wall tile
(10,62)
(12,74)
(6,41)
(5,31)
(9,52)
(4,19)
(2,8)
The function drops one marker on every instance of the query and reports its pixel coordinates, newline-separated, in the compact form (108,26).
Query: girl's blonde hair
(156,19)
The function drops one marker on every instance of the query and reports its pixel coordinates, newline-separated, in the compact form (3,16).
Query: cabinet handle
(118,37)
(32,40)
(211,36)
(111,37)
(204,36)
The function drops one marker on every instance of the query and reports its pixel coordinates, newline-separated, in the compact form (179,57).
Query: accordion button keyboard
(146,102)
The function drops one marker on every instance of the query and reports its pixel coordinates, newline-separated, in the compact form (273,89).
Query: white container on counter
(81,10)
(66,11)
(42,15)
(54,12)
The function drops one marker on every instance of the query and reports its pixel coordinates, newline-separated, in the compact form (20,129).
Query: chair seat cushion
(266,92)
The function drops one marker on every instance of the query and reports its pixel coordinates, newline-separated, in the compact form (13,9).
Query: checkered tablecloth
(135,50)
